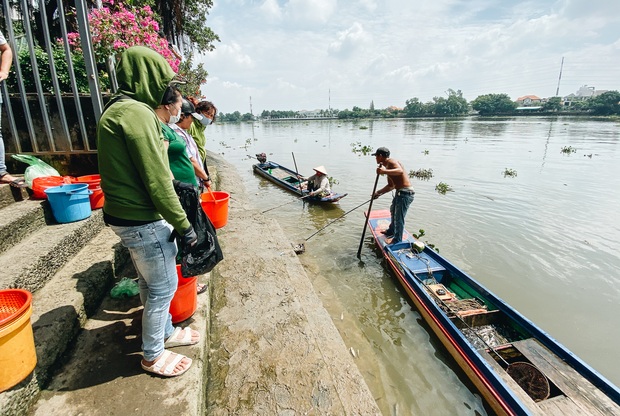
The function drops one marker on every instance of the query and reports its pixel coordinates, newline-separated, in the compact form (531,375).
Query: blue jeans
(154,259)
(398,210)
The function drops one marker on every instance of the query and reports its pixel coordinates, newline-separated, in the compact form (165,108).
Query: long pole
(340,217)
(301,192)
(374,189)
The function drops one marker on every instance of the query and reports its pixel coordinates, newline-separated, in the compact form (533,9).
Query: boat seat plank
(562,405)
(567,379)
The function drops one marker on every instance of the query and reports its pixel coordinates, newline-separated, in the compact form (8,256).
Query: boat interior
(542,380)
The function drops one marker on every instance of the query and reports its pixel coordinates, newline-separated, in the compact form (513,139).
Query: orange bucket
(18,355)
(185,300)
(94,184)
(215,205)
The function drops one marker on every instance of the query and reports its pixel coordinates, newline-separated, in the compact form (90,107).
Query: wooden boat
(288,179)
(517,367)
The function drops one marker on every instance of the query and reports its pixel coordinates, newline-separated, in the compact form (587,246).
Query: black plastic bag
(206,253)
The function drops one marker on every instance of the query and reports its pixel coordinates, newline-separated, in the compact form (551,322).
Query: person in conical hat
(318,184)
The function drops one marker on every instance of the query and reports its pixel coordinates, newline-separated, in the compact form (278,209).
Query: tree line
(454,104)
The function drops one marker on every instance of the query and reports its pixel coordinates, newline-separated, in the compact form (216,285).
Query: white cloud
(309,12)
(289,54)
(348,41)
(271,10)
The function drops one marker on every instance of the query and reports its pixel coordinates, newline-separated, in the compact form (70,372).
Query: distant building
(584,93)
(528,100)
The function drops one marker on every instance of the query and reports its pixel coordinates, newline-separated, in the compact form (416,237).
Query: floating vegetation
(568,150)
(363,127)
(443,187)
(425,174)
(332,181)
(359,149)
(426,152)
(419,236)
(510,172)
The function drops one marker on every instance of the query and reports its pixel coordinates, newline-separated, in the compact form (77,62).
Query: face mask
(174,119)
(205,121)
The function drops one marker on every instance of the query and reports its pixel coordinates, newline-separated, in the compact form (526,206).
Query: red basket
(13,302)
(40,184)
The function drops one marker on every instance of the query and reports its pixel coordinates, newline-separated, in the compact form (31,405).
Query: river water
(547,240)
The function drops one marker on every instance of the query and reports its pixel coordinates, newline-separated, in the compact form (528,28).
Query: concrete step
(30,263)
(19,220)
(9,194)
(63,303)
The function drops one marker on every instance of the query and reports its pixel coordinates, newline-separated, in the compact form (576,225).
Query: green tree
(183,21)
(493,104)
(552,104)
(454,105)
(194,76)
(414,107)
(605,104)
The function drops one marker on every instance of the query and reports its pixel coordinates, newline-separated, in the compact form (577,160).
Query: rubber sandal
(175,341)
(18,183)
(160,368)
(201,288)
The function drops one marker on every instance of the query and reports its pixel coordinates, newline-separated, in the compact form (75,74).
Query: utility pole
(251,106)
(329,101)
(557,91)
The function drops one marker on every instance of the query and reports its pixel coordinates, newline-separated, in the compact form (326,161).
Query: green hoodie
(135,175)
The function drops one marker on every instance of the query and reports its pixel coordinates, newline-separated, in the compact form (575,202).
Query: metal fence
(42,123)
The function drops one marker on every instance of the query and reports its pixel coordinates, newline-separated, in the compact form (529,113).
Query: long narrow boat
(517,367)
(289,180)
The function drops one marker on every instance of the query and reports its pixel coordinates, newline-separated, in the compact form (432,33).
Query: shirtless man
(397,180)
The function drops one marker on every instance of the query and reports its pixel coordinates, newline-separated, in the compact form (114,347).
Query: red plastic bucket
(215,205)
(40,184)
(18,355)
(94,184)
(185,300)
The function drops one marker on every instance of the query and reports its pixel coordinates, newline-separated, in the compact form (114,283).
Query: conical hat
(321,169)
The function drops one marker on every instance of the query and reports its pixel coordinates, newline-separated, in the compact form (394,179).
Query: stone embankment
(269,346)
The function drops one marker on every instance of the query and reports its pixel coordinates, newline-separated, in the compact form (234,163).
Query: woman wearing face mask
(169,113)
(208,111)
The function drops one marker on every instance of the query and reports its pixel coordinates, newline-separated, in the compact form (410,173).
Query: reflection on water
(547,241)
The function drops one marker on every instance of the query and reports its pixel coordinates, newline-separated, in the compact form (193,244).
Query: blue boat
(289,180)
(517,367)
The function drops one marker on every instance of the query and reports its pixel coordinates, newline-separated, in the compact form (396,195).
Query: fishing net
(530,379)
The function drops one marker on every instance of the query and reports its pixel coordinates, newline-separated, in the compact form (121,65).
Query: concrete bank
(270,347)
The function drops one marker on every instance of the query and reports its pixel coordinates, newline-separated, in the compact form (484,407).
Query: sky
(320,54)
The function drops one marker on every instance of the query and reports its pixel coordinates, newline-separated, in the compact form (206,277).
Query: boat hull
(289,180)
(483,366)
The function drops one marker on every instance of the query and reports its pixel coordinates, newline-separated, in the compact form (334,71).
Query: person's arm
(5,61)
(387,188)
(393,169)
(198,170)
(143,136)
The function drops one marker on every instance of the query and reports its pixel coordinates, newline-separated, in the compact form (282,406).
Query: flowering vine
(116,27)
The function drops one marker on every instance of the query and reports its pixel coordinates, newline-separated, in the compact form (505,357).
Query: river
(546,239)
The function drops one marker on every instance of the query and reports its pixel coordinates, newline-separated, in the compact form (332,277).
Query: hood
(143,75)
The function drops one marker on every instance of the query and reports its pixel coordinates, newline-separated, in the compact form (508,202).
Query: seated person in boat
(318,184)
